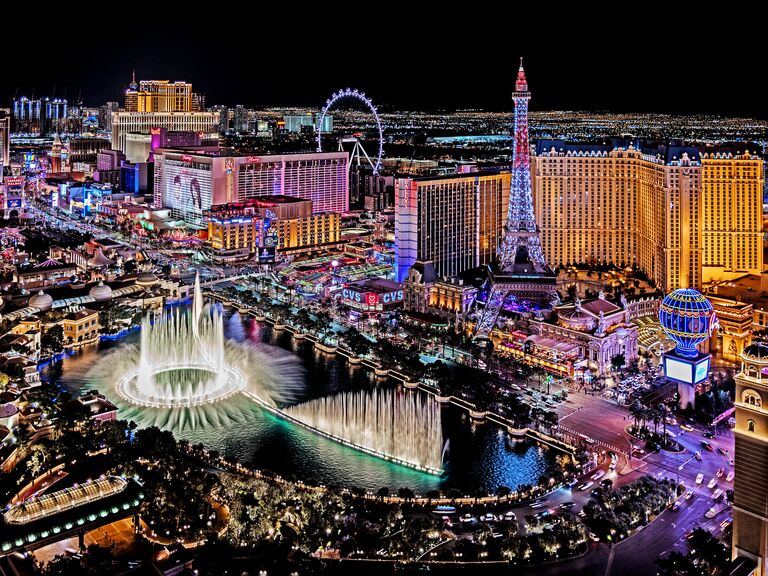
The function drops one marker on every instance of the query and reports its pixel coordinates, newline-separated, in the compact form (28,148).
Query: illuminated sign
(186,158)
(267,254)
(155,131)
(372,299)
(686,371)
(702,369)
(678,370)
(391,297)
(252,159)
(14,180)
(270,241)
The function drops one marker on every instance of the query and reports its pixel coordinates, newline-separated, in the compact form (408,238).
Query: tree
(618,361)
(53,339)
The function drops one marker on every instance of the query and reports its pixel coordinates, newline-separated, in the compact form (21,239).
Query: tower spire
(133,85)
(521,272)
(521,84)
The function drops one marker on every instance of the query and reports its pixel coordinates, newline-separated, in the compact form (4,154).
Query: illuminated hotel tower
(750,489)
(521,272)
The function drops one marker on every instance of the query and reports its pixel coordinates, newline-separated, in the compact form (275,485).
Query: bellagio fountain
(184,374)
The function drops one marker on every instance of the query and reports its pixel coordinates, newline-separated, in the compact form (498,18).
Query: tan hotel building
(685,215)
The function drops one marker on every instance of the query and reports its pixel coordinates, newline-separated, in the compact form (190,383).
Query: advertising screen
(702,369)
(677,370)
(267,254)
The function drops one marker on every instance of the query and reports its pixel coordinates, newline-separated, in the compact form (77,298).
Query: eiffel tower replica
(520,272)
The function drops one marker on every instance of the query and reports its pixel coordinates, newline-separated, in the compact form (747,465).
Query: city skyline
(567,73)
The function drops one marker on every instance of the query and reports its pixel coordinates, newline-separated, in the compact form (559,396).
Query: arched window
(751,397)
(750,425)
(751,371)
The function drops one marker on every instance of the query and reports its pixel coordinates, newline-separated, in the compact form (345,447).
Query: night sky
(403,60)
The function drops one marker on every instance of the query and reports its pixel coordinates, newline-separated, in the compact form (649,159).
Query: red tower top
(521,85)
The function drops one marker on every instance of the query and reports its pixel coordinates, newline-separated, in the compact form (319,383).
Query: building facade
(750,499)
(5,139)
(191,182)
(669,209)
(425,293)
(455,221)
(159,96)
(246,225)
(125,123)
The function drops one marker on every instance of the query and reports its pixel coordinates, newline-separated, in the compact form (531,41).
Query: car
(468,519)
(510,516)
(717,494)
(488,517)
(599,474)
(712,483)
(708,434)
(447,521)
(707,446)
(711,513)
(543,514)
(567,505)
(729,477)
(723,451)
(571,483)
(586,486)
(686,427)
(597,492)
(594,537)
(613,464)
(720,472)
(689,495)
(725,523)
(606,482)
(538,504)
(675,506)
(699,478)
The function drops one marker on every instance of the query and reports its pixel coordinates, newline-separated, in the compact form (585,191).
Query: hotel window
(750,425)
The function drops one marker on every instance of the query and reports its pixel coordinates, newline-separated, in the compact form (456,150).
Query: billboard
(266,254)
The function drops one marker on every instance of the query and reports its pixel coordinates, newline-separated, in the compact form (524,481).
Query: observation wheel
(350,93)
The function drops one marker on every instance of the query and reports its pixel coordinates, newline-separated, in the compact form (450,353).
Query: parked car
(468,519)
(689,495)
(699,478)
(711,513)
(717,494)
(729,477)
(712,483)
(510,516)
(488,517)
(697,455)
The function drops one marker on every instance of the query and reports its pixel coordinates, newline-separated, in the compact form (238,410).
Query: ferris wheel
(358,151)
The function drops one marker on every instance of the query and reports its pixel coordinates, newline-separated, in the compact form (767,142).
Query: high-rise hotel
(686,215)
(154,104)
(750,488)
(455,221)
(190,181)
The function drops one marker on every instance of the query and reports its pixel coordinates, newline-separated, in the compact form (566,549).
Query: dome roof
(147,279)
(621,331)
(757,351)
(41,301)
(100,292)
